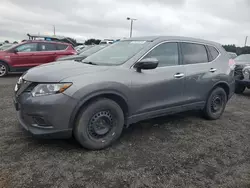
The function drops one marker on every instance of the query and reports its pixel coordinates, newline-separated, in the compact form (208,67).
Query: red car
(32,53)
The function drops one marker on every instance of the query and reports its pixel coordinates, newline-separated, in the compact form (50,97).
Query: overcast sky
(224,21)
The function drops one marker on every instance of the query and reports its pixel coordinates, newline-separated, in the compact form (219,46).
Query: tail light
(231,63)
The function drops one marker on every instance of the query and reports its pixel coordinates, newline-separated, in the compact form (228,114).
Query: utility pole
(246,41)
(131,25)
(54,29)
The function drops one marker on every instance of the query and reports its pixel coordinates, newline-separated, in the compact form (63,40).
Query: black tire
(239,89)
(217,98)
(110,117)
(4,69)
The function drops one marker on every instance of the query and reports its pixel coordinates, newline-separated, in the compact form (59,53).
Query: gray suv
(129,81)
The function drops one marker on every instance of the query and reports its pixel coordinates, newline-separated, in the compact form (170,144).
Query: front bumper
(46,116)
(245,82)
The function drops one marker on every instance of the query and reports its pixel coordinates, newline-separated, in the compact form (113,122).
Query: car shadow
(13,75)
(142,128)
(160,127)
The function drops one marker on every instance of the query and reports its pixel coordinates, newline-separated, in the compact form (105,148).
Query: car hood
(57,71)
(242,63)
(71,57)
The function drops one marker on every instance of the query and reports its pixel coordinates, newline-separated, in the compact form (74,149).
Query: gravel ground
(176,151)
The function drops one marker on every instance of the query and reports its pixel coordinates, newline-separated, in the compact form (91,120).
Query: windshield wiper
(89,62)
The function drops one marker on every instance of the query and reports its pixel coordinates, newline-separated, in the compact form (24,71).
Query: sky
(223,21)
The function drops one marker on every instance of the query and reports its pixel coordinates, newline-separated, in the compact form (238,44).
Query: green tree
(92,41)
(236,49)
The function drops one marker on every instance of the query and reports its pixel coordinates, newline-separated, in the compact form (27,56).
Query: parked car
(6,46)
(83,55)
(79,47)
(232,55)
(126,82)
(242,73)
(23,56)
(107,41)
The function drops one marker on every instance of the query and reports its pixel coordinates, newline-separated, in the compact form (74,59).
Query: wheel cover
(100,125)
(2,70)
(217,103)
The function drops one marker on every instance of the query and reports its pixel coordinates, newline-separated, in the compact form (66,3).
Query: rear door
(63,50)
(23,55)
(200,70)
(46,53)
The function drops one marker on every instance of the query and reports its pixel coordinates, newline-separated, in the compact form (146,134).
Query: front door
(23,55)
(159,88)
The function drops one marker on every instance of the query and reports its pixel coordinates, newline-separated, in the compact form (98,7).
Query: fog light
(40,121)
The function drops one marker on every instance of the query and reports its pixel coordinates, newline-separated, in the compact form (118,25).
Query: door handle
(213,70)
(179,75)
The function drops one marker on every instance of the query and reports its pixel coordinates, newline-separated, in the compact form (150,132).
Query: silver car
(129,81)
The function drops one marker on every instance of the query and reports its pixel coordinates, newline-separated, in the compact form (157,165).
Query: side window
(47,47)
(166,54)
(29,47)
(214,52)
(61,46)
(194,53)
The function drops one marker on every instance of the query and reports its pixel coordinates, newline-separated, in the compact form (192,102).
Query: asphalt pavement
(181,150)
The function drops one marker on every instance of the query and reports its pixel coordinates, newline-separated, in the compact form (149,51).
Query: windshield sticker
(137,42)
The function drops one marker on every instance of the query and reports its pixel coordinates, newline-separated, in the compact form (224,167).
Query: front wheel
(239,89)
(99,124)
(216,103)
(3,69)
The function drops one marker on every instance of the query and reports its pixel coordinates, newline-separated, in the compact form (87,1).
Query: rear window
(194,53)
(61,46)
(214,52)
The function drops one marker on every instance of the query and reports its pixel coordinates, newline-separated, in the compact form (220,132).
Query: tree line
(236,49)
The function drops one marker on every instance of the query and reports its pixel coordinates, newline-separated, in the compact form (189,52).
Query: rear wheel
(99,124)
(239,89)
(3,69)
(216,103)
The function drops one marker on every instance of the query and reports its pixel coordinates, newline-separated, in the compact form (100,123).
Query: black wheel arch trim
(220,84)
(8,66)
(92,96)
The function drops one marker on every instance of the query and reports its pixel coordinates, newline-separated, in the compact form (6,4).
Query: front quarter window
(30,47)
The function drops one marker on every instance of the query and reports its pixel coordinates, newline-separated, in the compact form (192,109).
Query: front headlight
(49,89)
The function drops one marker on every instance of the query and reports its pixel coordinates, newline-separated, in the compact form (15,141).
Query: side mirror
(15,51)
(147,63)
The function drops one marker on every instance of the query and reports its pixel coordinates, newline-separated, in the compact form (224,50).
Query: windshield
(243,57)
(117,53)
(92,50)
